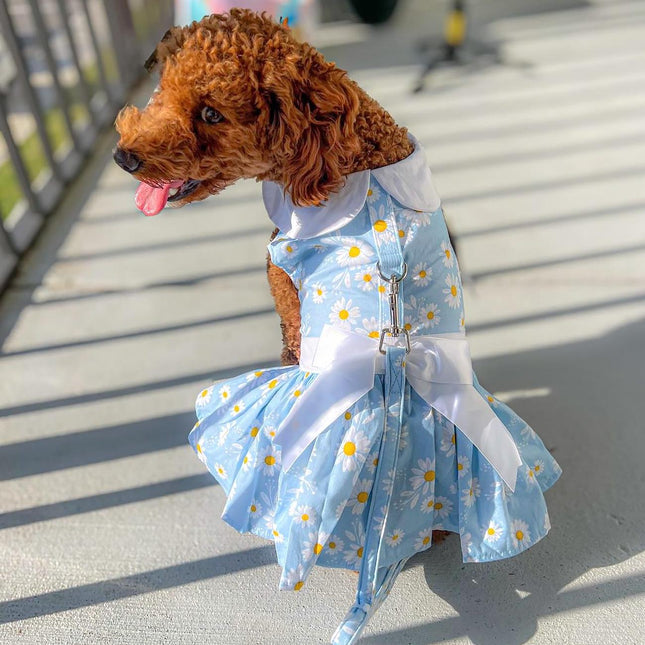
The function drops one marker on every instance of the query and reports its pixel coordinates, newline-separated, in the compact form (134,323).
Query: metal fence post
(6,24)
(124,38)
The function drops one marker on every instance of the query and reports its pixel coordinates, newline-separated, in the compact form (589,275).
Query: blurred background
(532,115)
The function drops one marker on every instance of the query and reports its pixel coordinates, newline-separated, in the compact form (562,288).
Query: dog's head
(239,97)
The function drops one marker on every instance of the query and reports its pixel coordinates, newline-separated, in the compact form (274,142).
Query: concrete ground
(109,527)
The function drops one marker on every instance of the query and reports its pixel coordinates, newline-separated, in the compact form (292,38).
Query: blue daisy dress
(382,434)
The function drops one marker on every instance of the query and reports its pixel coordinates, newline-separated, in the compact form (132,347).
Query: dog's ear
(311,110)
(170,43)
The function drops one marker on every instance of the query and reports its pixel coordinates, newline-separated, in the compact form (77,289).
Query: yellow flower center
(236,408)
(359,553)
(204,393)
(199,448)
(276,533)
(254,431)
(367,277)
(374,334)
(430,315)
(297,393)
(318,548)
(453,439)
(298,586)
(429,476)
(332,545)
(447,252)
(354,252)
(272,384)
(253,508)
(348,415)
(395,537)
(245,460)
(258,374)
(453,290)
(220,470)
(381,288)
(519,535)
(370,192)
(375,462)
(349,448)
(289,249)
(269,460)
(426,539)
(304,517)
(362,497)
(536,468)
(460,466)
(491,530)
(380,225)
(319,292)
(430,503)
(422,274)
(343,314)
(401,233)
(438,506)
(490,399)
(225,394)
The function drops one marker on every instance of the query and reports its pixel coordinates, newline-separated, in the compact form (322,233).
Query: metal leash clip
(393,295)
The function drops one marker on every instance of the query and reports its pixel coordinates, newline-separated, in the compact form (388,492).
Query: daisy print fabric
(317,511)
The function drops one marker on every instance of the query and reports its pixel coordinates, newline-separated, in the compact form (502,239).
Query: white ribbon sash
(439,368)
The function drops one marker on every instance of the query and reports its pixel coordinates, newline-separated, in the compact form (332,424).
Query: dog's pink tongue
(151,200)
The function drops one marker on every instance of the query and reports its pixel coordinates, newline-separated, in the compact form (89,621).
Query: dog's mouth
(150,200)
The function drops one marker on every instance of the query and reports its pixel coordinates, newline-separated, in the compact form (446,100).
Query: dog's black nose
(127,160)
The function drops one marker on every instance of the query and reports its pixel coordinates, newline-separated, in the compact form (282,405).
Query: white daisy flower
(463,465)
(238,406)
(421,482)
(246,463)
(470,495)
(359,496)
(421,275)
(538,467)
(395,537)
(424,540)
(448,440)
(442,507)
(366,280)
(354,252)
(373,195)
(355,545)
(334,544)
(270,462)
(223,434)
(379,518)
(429,315)
(255,509)
(293,579)
(370,328)
(225,392)
(220,471)
(520,533)
(318,292)
(204,397)
(452,291)
(353,449)
(313,545)
(278,538)
(493,533)
(528,433)
(427,505)
(303,514)
(343,314)
(448,255)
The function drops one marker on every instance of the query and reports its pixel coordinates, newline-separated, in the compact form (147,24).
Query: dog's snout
(127,160)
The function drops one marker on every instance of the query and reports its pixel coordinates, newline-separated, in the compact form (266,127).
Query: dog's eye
(210,115)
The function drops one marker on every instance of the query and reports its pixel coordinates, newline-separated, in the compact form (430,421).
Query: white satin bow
(439,368)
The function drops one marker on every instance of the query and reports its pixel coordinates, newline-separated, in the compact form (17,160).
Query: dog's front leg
(287,305)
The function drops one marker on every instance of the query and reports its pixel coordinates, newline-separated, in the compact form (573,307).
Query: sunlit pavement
(109,528)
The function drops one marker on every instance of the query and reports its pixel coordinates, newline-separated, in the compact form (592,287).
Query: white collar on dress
(409,181)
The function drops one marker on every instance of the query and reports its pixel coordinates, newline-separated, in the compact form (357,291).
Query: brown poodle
(240,97)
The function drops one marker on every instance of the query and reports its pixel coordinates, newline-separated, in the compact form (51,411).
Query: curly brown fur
(289,116)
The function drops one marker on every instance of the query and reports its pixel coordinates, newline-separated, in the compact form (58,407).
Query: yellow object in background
(455,27)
